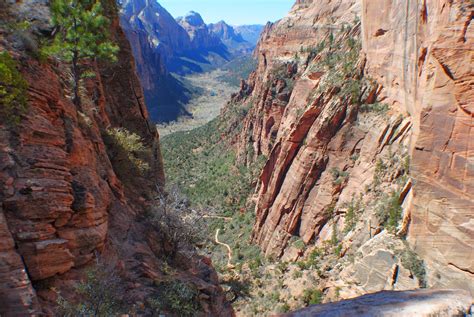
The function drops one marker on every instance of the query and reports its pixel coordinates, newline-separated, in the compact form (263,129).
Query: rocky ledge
(417,303)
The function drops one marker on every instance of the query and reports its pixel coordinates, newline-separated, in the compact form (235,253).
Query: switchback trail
(229,250)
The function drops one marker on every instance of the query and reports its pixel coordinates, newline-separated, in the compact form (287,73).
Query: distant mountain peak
(225,32)
(192,18)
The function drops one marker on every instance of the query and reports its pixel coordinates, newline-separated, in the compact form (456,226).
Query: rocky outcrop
(67,195)
(201,37)
(225,32)
(411,303)
(328,151)
(234,42)
(420,58)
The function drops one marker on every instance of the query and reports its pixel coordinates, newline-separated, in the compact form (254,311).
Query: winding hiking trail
(229,250)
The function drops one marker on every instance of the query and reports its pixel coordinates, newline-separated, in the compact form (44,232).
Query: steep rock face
(225,32)
(234,42)
(157,40)
(67,194)
(163,32)
(250,33)
(201,37)
(422,58)
(324,153)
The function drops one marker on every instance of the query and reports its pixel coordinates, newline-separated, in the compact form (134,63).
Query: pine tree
(82,35)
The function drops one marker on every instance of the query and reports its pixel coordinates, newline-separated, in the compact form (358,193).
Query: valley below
(175,167)
(212,93)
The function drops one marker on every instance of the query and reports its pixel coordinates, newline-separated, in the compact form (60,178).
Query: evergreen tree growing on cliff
(82,36)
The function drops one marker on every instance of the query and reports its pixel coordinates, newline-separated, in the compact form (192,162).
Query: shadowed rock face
(225,32)
(202,38)
(424,303)
(65,196)
(418,54)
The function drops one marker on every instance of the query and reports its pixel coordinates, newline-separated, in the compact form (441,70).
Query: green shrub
(13,91)
(352,215)
(297,274)
(334,235)
(415,265)
(299,244)
(176,297)
(284,308)
(130,145)
(389,211)
(312,296)
(376,107)
(338,176)
(100,293)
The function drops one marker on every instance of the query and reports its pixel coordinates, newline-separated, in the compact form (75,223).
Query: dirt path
(229,250)
(218,217)
(205,107)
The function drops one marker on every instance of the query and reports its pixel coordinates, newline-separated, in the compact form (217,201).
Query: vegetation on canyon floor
(201,163)
(217,189)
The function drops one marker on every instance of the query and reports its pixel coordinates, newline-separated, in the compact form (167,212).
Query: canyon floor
(214,92)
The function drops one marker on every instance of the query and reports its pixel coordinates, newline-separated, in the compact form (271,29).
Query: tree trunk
(77,77)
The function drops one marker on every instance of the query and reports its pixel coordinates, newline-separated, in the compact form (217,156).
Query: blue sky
(234,12)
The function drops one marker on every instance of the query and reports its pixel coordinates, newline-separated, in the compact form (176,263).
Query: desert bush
(13,91)
(415,265)
(312,296)
(176,297)
(338,176)
(177,226)
(128,146)
(352,215)
(389,211)
(377,107)
(100,294)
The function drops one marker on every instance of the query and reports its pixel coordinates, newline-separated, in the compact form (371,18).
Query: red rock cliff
(323,151)
(64,196)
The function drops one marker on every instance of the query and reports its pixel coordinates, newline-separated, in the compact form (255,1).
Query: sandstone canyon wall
(406,135)
(423,58)
(68,194)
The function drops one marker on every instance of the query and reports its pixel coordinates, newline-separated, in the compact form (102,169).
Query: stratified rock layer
(422,53)
(324,153)
(67,195)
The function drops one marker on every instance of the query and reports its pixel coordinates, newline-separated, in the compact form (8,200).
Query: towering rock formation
(68,193)
(225,32)
(201,37)
(157,41)
(423,58)
(330,150)
(234,42)
(163,45)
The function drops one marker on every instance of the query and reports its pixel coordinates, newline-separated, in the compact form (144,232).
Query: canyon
(416,57)
(69,191)
(168,49)
(340,173)
(362,121)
